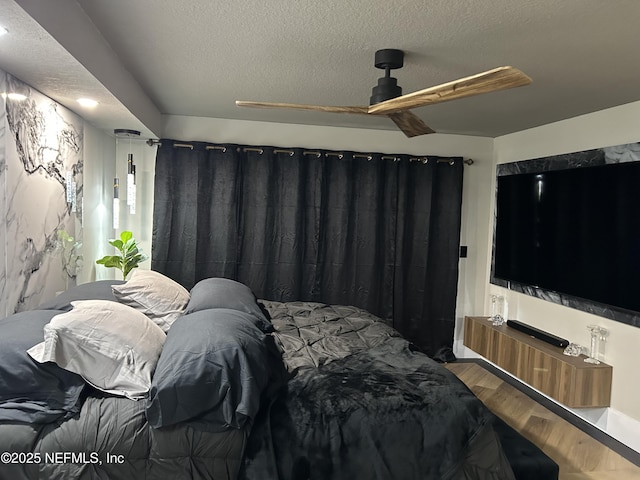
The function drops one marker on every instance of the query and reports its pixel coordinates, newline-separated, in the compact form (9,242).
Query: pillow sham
(227,293)
(113,347)
(156,295)
(211,373)
(98,290)
(31,392)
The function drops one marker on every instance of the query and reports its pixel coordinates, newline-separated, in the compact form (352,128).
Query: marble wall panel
(3,198)
(43,197)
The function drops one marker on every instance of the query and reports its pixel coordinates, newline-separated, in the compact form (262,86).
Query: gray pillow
(98,290)
(113,347)
(157,296)
(31,392)
(212,371)
(227,293)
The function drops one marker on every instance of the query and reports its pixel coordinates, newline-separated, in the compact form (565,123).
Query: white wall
(609,127)
(99,170)
(332,138)
(105,159)
(140,222)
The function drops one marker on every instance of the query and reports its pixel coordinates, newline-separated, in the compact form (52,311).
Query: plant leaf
(130,255)
(126,235)
(117,243)
(110,261)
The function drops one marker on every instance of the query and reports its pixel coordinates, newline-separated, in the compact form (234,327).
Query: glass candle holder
(498,309)
(598,335)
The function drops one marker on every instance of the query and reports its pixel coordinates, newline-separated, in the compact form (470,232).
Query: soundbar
(537,333)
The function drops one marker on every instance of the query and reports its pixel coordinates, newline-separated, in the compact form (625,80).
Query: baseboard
(622,432)
(624,428)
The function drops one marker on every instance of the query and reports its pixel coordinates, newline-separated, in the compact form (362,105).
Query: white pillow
(113,347)
(157,296)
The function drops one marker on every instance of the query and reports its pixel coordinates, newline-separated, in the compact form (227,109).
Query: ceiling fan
(387,99)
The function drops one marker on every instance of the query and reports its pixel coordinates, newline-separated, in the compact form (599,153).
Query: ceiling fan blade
(299,106)
(499,78)
(410,124)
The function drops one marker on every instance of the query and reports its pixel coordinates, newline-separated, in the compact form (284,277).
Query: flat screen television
(574,231)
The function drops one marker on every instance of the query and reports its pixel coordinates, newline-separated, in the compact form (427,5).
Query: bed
(233,388)
(362,403)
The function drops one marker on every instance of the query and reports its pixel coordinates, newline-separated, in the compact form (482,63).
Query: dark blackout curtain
(373,231)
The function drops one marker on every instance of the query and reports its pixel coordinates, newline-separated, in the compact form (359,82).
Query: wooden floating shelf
(569,380)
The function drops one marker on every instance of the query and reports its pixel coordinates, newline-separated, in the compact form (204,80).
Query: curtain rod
(424,159)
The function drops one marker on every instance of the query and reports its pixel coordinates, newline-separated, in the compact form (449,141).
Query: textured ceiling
(145,58)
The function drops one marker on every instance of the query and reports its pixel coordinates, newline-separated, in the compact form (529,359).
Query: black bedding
(383,413)
(362,404)
(255,391)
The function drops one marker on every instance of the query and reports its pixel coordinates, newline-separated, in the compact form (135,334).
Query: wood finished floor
(580,456)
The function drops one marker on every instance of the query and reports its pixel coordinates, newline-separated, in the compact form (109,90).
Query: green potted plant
(128,257)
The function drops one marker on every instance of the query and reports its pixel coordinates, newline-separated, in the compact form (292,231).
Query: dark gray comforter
(363,405)
(111,439)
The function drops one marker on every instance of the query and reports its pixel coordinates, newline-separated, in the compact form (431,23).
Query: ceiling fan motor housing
(387,88)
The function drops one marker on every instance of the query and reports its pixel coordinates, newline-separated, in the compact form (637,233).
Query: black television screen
(574,231)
